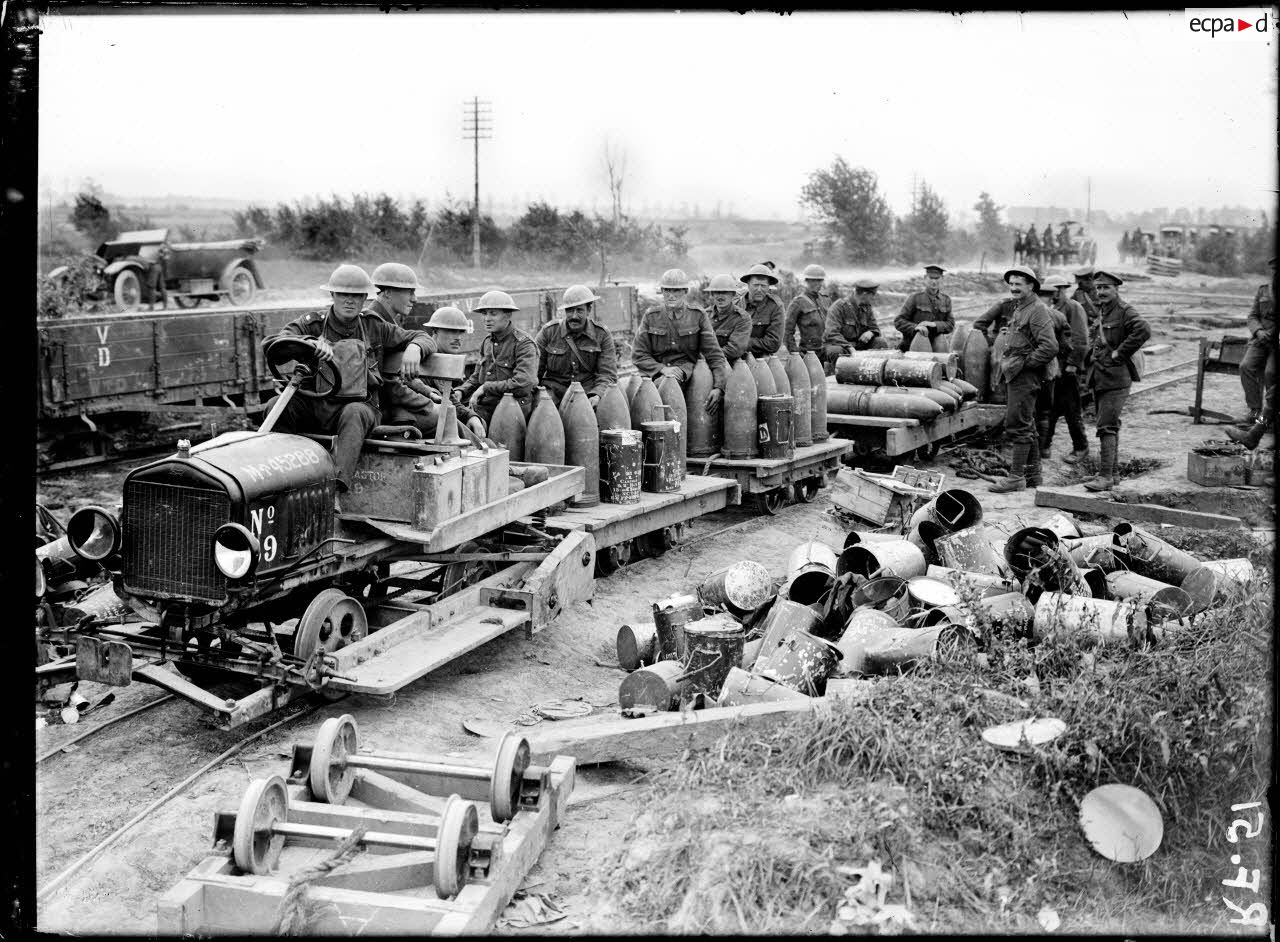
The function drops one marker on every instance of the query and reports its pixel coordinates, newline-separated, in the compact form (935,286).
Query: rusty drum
(621,460)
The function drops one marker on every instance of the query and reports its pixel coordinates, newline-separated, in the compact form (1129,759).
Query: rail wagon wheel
(332,621)
(807,490)
(457,576)
(128,290)
(242,287)
(770,502)
(186,302)
(612,558)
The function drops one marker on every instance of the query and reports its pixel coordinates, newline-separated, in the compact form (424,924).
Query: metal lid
(719,623)
(932,592)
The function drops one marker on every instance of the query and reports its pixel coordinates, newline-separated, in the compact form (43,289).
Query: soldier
(851,325)
(1053,369)
(1064,244)
(1258,369)
(1126,247)
(403,403)
(1121,333)
(508,361)
(1046,247)
(1030,348)
(808,313)
(1018,247)
(926,312)
(730,322)
(673,334)
(577,348)
(764,308)
(1031,247)
(354,341)
(1066,393)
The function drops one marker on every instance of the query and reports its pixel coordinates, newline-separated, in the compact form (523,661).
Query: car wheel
(187,302)
(242,287)
(128,290)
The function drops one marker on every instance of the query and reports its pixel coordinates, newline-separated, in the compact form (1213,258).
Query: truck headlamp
(235,551)
(93,534)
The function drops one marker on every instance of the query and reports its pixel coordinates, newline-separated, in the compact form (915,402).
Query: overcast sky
(709,106)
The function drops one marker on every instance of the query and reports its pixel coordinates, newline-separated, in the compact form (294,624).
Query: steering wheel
(294,354)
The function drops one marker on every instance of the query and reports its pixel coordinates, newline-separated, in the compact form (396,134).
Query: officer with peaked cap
(1066,393)
(578,348)
(764,308)
(674,333)
(927,312)
(1030,347)
(807,314)
(1121,333)
(851,325)
(508,360)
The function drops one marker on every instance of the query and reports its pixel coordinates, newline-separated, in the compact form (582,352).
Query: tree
(615,168)
(93,219)
(923,235)
(848,203)
(993,235)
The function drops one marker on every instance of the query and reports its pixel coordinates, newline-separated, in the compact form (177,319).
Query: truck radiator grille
(169,539)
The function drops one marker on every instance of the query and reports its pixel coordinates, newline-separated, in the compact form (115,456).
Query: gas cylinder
(544,438)
(581,442)
(781,384)
(739,411)
(818,400)
(802,396)
(508,426)
(673,396)
(704,434)
(644,401)
(760,372)
(613,411)
(995,375)
(976,369)
(863,400)
(920,343)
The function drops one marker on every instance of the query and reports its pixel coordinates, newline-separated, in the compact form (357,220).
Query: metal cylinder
(970,550)
(581,442)
(1096,580)
(612,411)
(811,572)
(986,583)
(1101,552)
(621,466)
(1230,575)
(673,398)
(864,626)
(802,662)
(968,391)
(924,592)
(1151,556)
(739,589)
(854,537)
(818,397)
(644,400)
(785,616)
(884,593)
(781,385)
(861,370)
(1011,609)
(637,646)
(904,372)
(923,536)
(864,400)
(742,687)
(774,430)
(660,686)
(953,509)
(1040,561)
(1161,601)
(948,402)
(1108,621)
(750,651)
(902,648)
(894,558)
(760,372)
(661,473)
(1064,526)
(714,645)
(670,615)
(975,359)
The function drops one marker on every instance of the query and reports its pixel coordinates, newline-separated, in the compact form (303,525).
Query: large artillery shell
(738,589)
(941,343)
(705,428)
(739,409)
(629,385)
(612,411)
(742,687)
(660,686)
(760,372)
(912,372)
(951,388)
(948,402)
(996,381)
(673,397)
(802,401)
(890,558)
(920,343)
(544,438)
(1161,600)
(955,343)
(581,442)
(976,357)
(818,397)
(778,369)
(968,392)
(1123,620)
(861,369)
(643,402)
(507,427)
(864,400)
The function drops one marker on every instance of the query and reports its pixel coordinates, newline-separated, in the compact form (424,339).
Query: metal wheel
(128,290)
(186,302)
(332,621)
(612,558)
(508,773)
(770,502)
(242,287)
(807,490)
(457,576)
(266,803)
(459,824)
(329,775)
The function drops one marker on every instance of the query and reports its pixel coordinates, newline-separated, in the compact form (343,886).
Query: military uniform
(364,343)
(1122,331)
(733,332)
(1066,393)
(1029,348)
(589,358)
(923,306)
(847,320)
(1257,369)
(767,319)
(677,337)
(508,364)
(1048,242)
(807,313)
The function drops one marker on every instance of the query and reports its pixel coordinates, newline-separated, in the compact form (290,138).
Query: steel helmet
(1060,281)
(576,296)
(1025,272)
(496,301)
(395,275)
(760,270)
(815,271)
(674,278)
(348,279)
(723,283)
(450,318)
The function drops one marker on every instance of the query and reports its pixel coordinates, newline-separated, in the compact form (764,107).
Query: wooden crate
(1218,465)
(878,498)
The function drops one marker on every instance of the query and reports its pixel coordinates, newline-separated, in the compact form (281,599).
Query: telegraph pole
(477,125)
(1088,205)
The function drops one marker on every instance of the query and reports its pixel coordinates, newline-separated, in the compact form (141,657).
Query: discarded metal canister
(1096,580)
(774,430)
(1162,601)
(864,400)
(1230,575)
(968,391)
(884,593)
(673,398)
(621,459)
(613,410)
(811,572)
(976,359)
(1151,556)
(670,615)
(742,687)
(969,550)
(854,537)
(802,404)
(900,649)
(905,372)
(760,372)
(1040,561)
(1011,609)
(660,474)
(1102,552)
(802,662)
(817,397)
(864,627)
(861,370)
(1064,526)
(781,385)
(750,651)
(705,436)
(660,686)
(507,426)
(920,344)
(645,400)
(890,558)
(581,443)
(739,589)
(930,593)
(637,647)
(985,582)
(1123,620)
(923,536)
(714,645)
(544,438)
(953,508)
(785,616)
(739,411)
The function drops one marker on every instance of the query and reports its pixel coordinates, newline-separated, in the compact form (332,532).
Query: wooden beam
(1148,513)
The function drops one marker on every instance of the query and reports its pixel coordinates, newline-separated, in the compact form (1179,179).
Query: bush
(61,296)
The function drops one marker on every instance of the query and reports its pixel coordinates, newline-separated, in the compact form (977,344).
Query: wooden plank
(870,421)
(614,523)
(899,441)
(1151,513)
(383,874)
(763,466)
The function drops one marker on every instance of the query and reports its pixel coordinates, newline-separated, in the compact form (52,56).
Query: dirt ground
(85,794)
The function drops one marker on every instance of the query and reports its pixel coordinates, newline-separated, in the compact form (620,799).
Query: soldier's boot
(1246,421)
(1044,436)
(1105,479)
(1253,436)
(1032,472)
(1077,455)
(1017,479)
